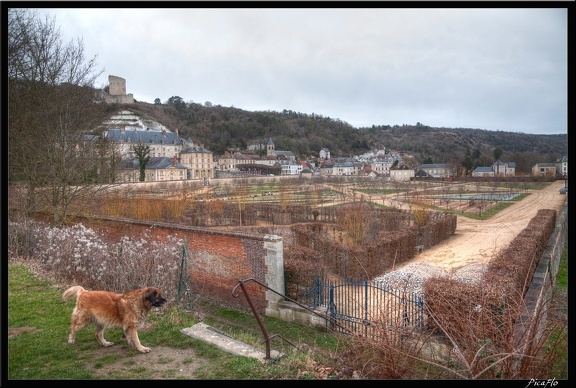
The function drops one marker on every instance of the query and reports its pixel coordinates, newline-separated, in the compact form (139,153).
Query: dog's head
(154,296)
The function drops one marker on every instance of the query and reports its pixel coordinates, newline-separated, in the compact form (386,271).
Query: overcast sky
(486,68)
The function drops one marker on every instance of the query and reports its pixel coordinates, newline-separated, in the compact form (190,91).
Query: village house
(558,168)
(439,170)
(483,172)
(306,173)
(125,130)
(368,171)
(401,173)
(198,161)
(326,169)
(381,166)
(370,155)
(501,168)
(324,153)
(290,167)
(544,169)
(498,168)
(421,174)
(158,168)
(348,168)
(230,161)
(562,166)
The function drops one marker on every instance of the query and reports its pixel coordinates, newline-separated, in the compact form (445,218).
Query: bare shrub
(354,222)
(470,335)
(299,272)
(478,320)
(215,209)
(398,352)
(489,336)
(79,255)
(21,239)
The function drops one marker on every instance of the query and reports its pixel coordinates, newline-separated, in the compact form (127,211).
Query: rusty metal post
(264,332)
(257,316)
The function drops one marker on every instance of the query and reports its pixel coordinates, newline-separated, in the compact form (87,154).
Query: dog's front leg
(132,336)
(100,336)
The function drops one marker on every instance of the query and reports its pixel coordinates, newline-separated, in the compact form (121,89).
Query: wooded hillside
(221,128)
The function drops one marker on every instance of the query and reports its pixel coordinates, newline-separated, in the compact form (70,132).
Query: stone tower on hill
(115,91)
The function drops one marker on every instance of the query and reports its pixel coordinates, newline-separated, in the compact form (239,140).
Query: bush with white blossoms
(79,255)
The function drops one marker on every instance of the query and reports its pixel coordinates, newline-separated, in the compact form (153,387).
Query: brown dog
(109,309)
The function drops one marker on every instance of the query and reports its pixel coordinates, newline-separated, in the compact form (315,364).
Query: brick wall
(218,259)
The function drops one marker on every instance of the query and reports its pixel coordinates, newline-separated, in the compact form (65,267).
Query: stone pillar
(274,277)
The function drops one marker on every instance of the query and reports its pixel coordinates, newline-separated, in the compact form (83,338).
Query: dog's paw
(107,343)
(144,349)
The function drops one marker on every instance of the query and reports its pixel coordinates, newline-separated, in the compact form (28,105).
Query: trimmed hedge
(488,309)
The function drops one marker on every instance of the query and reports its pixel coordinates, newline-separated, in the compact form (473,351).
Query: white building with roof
(562,166)
(156,169)
(125,130)
(402,173)
(439,170)
(199,161)
(381,166)
(290,167)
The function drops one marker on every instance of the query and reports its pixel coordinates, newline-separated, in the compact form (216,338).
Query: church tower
(270,148)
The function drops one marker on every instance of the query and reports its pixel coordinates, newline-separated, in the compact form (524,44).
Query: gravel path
(465,255)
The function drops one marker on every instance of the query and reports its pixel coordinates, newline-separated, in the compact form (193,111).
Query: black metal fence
(365,307)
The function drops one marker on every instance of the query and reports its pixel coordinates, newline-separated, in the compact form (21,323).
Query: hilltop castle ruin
(115,91)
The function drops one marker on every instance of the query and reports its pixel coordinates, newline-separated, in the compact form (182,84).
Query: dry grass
(145,207)
(421,215)
(354,223)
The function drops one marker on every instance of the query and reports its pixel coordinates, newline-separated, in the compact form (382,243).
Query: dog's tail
(72,292)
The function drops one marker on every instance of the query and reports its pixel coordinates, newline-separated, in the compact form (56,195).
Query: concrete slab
(211,335)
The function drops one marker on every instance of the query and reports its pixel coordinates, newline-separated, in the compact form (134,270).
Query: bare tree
(52,144)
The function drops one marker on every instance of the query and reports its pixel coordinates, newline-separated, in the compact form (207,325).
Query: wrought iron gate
(365,307)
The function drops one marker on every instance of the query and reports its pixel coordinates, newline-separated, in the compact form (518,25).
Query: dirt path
(477,241)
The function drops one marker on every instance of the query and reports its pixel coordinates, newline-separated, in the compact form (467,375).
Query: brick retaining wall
(218,259)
